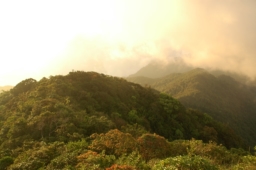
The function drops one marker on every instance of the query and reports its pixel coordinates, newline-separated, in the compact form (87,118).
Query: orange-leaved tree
(114,142)
(153,146)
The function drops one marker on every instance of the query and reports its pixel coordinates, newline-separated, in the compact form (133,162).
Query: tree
(114,142)
(23,86)
(5,162)
(153,146)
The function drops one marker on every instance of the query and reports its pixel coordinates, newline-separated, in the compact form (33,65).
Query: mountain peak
(159,69)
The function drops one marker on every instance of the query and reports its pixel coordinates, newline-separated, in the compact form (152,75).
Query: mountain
(5,88)
(221,96)
(157,69)
(86,117)
(116,100)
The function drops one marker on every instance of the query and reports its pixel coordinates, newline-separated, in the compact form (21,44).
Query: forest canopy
(84,118)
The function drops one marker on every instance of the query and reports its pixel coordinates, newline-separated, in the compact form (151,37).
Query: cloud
(218,34)
(119,37)
(205,33)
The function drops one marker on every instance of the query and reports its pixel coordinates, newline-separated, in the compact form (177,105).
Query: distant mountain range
(227,97)
(5,88)
(158,70)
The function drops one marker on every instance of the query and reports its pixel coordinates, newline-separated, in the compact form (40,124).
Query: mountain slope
(79,104)
(89,120)
(222,97)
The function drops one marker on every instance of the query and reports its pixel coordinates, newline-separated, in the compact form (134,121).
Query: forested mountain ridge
(67,121)
(222,97)
(158,70)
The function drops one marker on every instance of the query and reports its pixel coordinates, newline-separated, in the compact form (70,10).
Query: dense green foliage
(86,120)
(222,97)
(85,154)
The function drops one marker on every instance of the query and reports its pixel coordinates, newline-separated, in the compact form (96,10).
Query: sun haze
(42,38)
(34,34)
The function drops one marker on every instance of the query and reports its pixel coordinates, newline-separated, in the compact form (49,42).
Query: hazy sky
(47,37)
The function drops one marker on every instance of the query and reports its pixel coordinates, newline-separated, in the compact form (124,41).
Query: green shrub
(133,160)
(184,163)
(5,162)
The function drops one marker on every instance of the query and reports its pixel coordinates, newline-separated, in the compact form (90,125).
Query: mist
(208,34)
(119,38)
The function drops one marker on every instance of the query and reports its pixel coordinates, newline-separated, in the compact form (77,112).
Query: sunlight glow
(37,36)
(33,34)
(117,37)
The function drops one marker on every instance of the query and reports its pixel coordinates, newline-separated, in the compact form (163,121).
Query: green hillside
(222,97)
(86,120)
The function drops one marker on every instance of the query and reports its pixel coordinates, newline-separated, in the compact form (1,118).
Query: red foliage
(114,142)
(153,146)
(121,167)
